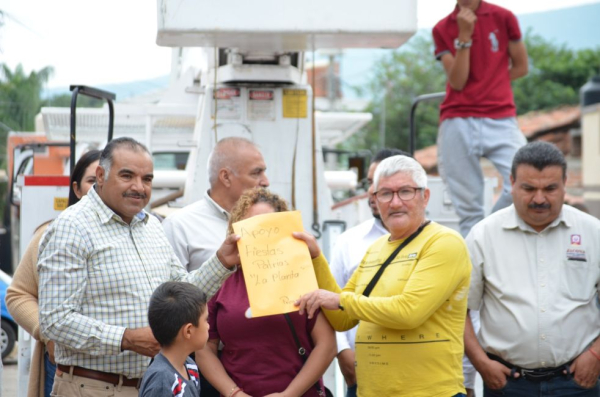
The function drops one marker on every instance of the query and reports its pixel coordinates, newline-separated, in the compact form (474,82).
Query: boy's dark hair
(173,305)
(539,155)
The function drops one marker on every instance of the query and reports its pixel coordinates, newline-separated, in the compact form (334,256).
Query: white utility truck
(253,84)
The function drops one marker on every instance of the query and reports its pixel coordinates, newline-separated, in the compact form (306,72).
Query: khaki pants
(67,385)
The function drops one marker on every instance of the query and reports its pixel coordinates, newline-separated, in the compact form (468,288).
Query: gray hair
(106,158)
(225,154)
(396,164)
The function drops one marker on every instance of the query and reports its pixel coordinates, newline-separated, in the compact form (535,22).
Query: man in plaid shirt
(99,263)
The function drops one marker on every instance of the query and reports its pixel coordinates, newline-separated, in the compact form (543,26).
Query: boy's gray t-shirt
(163,380)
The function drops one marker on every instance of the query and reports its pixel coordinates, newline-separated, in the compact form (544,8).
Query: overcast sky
(113,41)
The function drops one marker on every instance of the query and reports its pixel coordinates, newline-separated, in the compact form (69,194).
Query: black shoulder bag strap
(301,350)
(390,258)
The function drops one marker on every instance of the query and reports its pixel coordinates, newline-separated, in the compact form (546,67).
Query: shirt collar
(106,214)
(216,207)
(484,8)
(378,226)
(514,221)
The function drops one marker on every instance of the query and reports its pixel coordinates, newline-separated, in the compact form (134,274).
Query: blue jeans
(561,386)
(50,371)
(351,391)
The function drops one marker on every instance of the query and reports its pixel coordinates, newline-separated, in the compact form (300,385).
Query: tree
(19,101)
(20,96)
(64,100)
(398,78)
(556,74)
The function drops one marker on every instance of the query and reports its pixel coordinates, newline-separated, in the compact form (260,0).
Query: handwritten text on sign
(277,267)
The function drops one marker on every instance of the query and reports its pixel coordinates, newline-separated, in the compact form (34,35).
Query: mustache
(543,206)
(135,195)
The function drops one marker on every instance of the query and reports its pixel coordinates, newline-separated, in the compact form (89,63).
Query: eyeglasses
(405,193)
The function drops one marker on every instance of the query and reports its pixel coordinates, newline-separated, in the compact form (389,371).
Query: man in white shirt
(535,281)
(349,250)
(198,230)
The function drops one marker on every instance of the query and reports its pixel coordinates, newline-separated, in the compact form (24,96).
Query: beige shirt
(537,292)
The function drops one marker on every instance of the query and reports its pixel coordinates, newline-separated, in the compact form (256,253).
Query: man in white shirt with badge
(535,281)
(349,249)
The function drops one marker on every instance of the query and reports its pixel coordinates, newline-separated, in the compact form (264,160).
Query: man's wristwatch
(459,45)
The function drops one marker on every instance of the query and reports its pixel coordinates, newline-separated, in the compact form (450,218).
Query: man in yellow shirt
(410,337)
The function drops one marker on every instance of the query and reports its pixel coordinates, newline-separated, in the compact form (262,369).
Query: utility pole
(382,120)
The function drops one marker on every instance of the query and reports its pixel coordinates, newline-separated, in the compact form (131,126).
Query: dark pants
(351,391)
(49,378)
(560,386)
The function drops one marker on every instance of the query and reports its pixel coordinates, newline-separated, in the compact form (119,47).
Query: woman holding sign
(261,356)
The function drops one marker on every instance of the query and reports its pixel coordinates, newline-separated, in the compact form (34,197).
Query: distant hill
(122,90)
(576,27)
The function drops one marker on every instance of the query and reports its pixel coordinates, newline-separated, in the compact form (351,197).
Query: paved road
(9,375)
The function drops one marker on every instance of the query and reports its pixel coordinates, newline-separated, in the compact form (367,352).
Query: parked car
(9,331)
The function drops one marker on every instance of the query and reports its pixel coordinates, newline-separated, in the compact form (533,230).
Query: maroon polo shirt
(259,354)
(487,92)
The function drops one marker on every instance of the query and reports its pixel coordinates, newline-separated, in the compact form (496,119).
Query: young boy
(178,318)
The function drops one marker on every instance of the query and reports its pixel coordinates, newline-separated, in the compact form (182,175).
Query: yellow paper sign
(277,267)
(294,104)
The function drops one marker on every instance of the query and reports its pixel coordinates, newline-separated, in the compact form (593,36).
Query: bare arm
(519,62)
(213,370)
(318,361)
(457,67)
(586,367)
(141,341)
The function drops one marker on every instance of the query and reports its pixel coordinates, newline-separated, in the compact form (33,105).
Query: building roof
(535,124)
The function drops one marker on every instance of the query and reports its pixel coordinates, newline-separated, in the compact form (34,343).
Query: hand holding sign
(277,267)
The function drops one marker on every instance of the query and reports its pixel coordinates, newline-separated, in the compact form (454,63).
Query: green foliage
(20,96)
(19,101)
(64,100)
(404,74)
(556,73)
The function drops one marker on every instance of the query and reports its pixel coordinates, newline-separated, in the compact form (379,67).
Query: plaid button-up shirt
(97,274)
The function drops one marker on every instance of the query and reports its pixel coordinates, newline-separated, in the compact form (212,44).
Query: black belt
(536,374)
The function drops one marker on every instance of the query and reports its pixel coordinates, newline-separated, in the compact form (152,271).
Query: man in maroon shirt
(480,47)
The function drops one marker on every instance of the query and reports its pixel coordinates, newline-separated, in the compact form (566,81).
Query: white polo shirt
(537,292)
(197,231)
